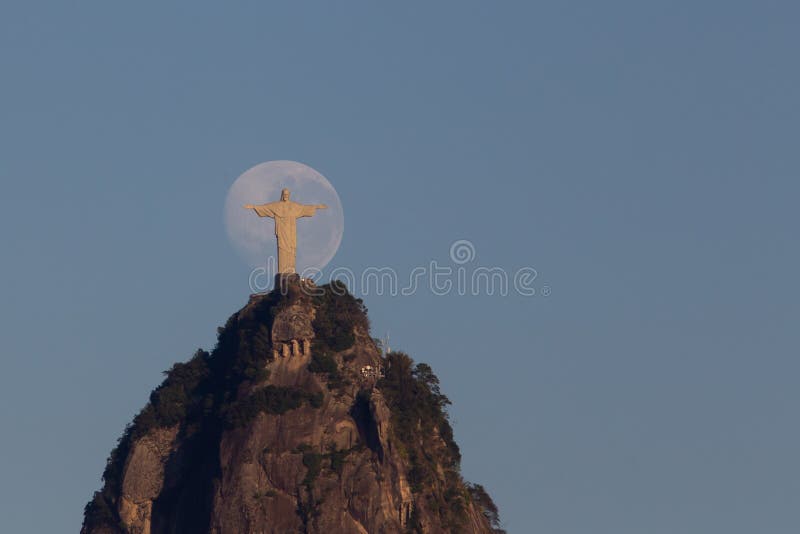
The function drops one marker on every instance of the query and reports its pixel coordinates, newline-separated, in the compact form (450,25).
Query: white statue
(285,212)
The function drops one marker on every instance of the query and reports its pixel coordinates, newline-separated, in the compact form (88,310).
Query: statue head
(285,195)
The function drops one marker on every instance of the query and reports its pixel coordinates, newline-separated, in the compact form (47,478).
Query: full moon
(253,237)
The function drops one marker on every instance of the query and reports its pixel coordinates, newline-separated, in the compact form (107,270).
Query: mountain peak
(295,422)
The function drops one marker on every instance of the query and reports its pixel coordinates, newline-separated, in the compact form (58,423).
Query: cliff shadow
(361,412)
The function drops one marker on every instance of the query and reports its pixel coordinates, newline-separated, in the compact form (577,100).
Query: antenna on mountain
(386,349)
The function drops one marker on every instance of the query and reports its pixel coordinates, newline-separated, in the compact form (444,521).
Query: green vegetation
(419,417)
(338,315)
(170,401)
(308,507)
(418,410)
(315,399)
(303,447)
(313,463)
(270,399)
(337,457)
(323,363)
(486,504)
(98,512)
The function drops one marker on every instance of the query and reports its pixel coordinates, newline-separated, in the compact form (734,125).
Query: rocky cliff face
(294,423)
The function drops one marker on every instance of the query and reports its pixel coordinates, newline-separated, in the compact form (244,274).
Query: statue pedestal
(284,280)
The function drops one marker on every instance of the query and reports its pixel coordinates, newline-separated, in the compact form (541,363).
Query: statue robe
(285,214)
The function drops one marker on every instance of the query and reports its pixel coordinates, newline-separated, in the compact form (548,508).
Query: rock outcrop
(296,422)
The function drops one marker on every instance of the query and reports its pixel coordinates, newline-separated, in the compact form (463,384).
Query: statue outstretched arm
(263,210)
(307,210)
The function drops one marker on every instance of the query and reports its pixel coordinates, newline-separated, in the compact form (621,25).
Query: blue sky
(641,156)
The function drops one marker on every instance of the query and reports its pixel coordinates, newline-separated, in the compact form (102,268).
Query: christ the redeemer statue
(285,212)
